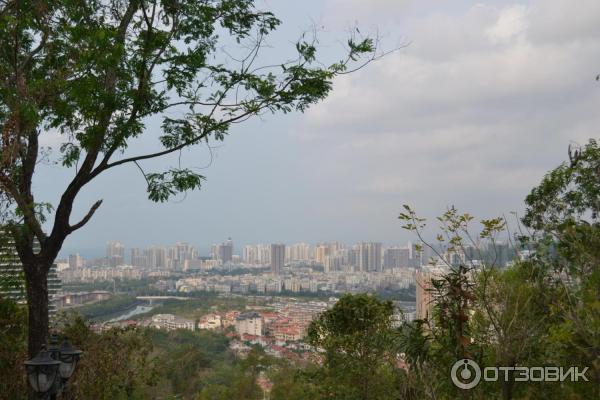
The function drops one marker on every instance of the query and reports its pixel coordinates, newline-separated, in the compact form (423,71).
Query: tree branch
(27,210)
(61,227)
(35,51)
(87,217)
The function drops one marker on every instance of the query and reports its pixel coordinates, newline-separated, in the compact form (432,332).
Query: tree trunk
(507,388)
(36,277)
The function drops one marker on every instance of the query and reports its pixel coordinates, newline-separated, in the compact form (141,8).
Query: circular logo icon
(465,374)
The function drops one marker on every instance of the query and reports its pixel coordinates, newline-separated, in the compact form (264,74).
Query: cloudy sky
(482,102)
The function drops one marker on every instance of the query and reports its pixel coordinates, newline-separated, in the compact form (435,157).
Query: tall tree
(563,212)
(358,344)
(96,71)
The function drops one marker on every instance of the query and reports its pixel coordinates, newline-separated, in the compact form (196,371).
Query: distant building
(332,263)
(137,258)
(156,257)
(250,255)
(249,323)
(277,258)
(352,256)
(369,256)
(171,322)
(229,318)
(396,257)
(298,252)
(287,333)
(115,254)
(223,252)
(419,256)
(321,251)
(264,254)
(425,299)
(75,261)
(210,321)
(179,254)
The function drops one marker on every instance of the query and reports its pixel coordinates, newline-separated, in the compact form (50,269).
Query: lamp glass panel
(41,378)
(66,368)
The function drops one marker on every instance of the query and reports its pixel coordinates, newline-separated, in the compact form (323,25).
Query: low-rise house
(250,323)
(287,333)
(253,339)
(229,319)
(210,321)
(171,322)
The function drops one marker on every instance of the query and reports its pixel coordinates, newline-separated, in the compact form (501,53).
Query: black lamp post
(49,371)
(69,357)
(41,372)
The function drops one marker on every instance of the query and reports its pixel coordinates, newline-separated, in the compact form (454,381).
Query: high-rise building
(223,252)
(369,256)
(226,251)
(332,263)
(156,257)
(352,256)
(277,258)
(179,253)
(263,252)
(396,257)
(454,258)
(298,252)
(133,254)
(249,323)
(250,256)
(115,254)
(75,261)
(425,298)
(321,251)
(138,259)
(186,252)
(12,279)
(54,287)
(419,257)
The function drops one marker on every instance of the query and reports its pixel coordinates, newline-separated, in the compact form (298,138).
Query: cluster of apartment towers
(333,256)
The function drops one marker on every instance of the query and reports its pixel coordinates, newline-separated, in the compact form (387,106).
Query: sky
(480,102)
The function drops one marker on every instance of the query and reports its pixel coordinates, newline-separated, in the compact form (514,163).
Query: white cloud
(558,21)
(342,13)
(482,103)
(511,23)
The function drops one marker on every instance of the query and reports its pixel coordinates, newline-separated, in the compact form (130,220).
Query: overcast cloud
(483,101)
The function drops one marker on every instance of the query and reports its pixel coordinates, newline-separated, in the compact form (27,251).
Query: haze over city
(451,118)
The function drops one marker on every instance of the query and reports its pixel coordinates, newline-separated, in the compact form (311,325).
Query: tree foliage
(542,310)
(115,365)
(13,334)
(358,342)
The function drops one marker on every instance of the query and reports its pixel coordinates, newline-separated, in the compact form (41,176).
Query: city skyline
(361,257)
(209,248)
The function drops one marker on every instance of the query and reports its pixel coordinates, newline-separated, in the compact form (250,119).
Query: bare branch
(87,217)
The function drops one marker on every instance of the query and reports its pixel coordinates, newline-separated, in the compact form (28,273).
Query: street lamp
(69,356)
(49,371)
(41,371)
